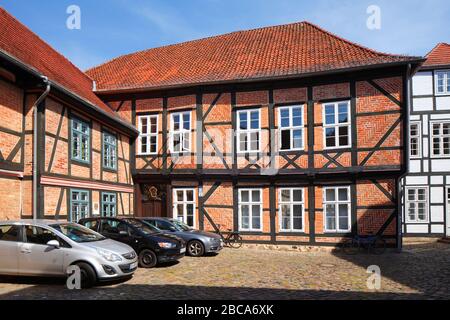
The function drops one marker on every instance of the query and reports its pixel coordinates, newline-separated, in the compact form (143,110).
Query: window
(440,136)
(337,124)
(109,151)
(80,140)
(148,137)
(109,202)
(417,205)
(113,227)
(9,233)
(38,235)
(79,205)
(184,205)
(291,209)
(181,132)
(250,209)
(291,127)
(414,136)
(248,130)
(336,206)
(443,82)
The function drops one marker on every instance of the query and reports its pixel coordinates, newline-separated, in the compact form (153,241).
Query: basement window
(291,209)
(80,138)
(181,132)
(417,205)
(336,204)
(291,128)
(250,209)
(443,82)
(414,136)
(79,205)
(109,151)
(248,130)
(440,137)
(336,124)
(148,134)
(184,206)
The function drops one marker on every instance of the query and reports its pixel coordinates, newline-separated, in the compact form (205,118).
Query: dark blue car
(198,242)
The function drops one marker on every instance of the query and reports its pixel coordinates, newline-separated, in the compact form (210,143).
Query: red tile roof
(271,52)
(22,44)
(439,56)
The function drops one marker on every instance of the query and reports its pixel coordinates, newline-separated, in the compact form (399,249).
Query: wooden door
(154,208)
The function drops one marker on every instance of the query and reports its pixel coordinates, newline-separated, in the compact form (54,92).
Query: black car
(150,243)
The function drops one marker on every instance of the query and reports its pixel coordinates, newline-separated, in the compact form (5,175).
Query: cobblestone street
(421,271)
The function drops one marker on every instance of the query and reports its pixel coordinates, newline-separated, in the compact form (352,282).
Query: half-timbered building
(63,152)
(427,186)
(288,134)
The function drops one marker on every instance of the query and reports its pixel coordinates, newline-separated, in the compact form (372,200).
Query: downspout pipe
(35,143)
(408,100)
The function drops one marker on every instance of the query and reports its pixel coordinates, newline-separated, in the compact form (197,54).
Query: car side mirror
(172,229)
(53,243)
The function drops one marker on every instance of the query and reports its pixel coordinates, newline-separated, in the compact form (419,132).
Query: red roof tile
(439,56)
(18,41)
(271,52)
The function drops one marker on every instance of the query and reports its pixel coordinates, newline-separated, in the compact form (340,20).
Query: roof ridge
(190,41)
(354,43)
(45,43)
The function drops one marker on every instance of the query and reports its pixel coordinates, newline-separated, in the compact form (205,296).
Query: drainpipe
(35,143)
(407,153)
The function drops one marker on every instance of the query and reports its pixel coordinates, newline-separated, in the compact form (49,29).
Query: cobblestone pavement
(420,272)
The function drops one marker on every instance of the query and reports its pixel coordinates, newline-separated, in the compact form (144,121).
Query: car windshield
(143,227)
(78,233)
(180,225)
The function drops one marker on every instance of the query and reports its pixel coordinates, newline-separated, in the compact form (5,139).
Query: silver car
(48,248)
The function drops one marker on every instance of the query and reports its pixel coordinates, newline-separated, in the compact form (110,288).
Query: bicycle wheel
(235,241)
(351,247)
(379,246)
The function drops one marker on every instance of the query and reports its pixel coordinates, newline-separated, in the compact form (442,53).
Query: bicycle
(373,243)
(233,238)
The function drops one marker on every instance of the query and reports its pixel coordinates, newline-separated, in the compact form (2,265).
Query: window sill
(81,162)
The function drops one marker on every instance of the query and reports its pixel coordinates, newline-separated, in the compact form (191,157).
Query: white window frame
(337,202)
(291,203)
(248,131)
(185,203)
(148,135)
(291,127)
(337,125)
(446,82)
(251,203)
(418,137)
(182,131)
(441,139)
(426,201)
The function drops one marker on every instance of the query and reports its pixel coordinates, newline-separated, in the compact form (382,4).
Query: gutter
(35,143)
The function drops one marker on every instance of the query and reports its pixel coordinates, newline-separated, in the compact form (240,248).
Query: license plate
(133,265)
(182,250)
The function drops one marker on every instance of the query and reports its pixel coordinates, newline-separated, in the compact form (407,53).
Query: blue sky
(115,27)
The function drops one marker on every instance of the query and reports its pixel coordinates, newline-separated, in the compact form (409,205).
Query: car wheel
(88,275)
(147,259)
(195,248)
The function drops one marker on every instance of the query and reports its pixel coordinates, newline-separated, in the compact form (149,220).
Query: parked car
(151,245)
(48,248)
(198,242)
